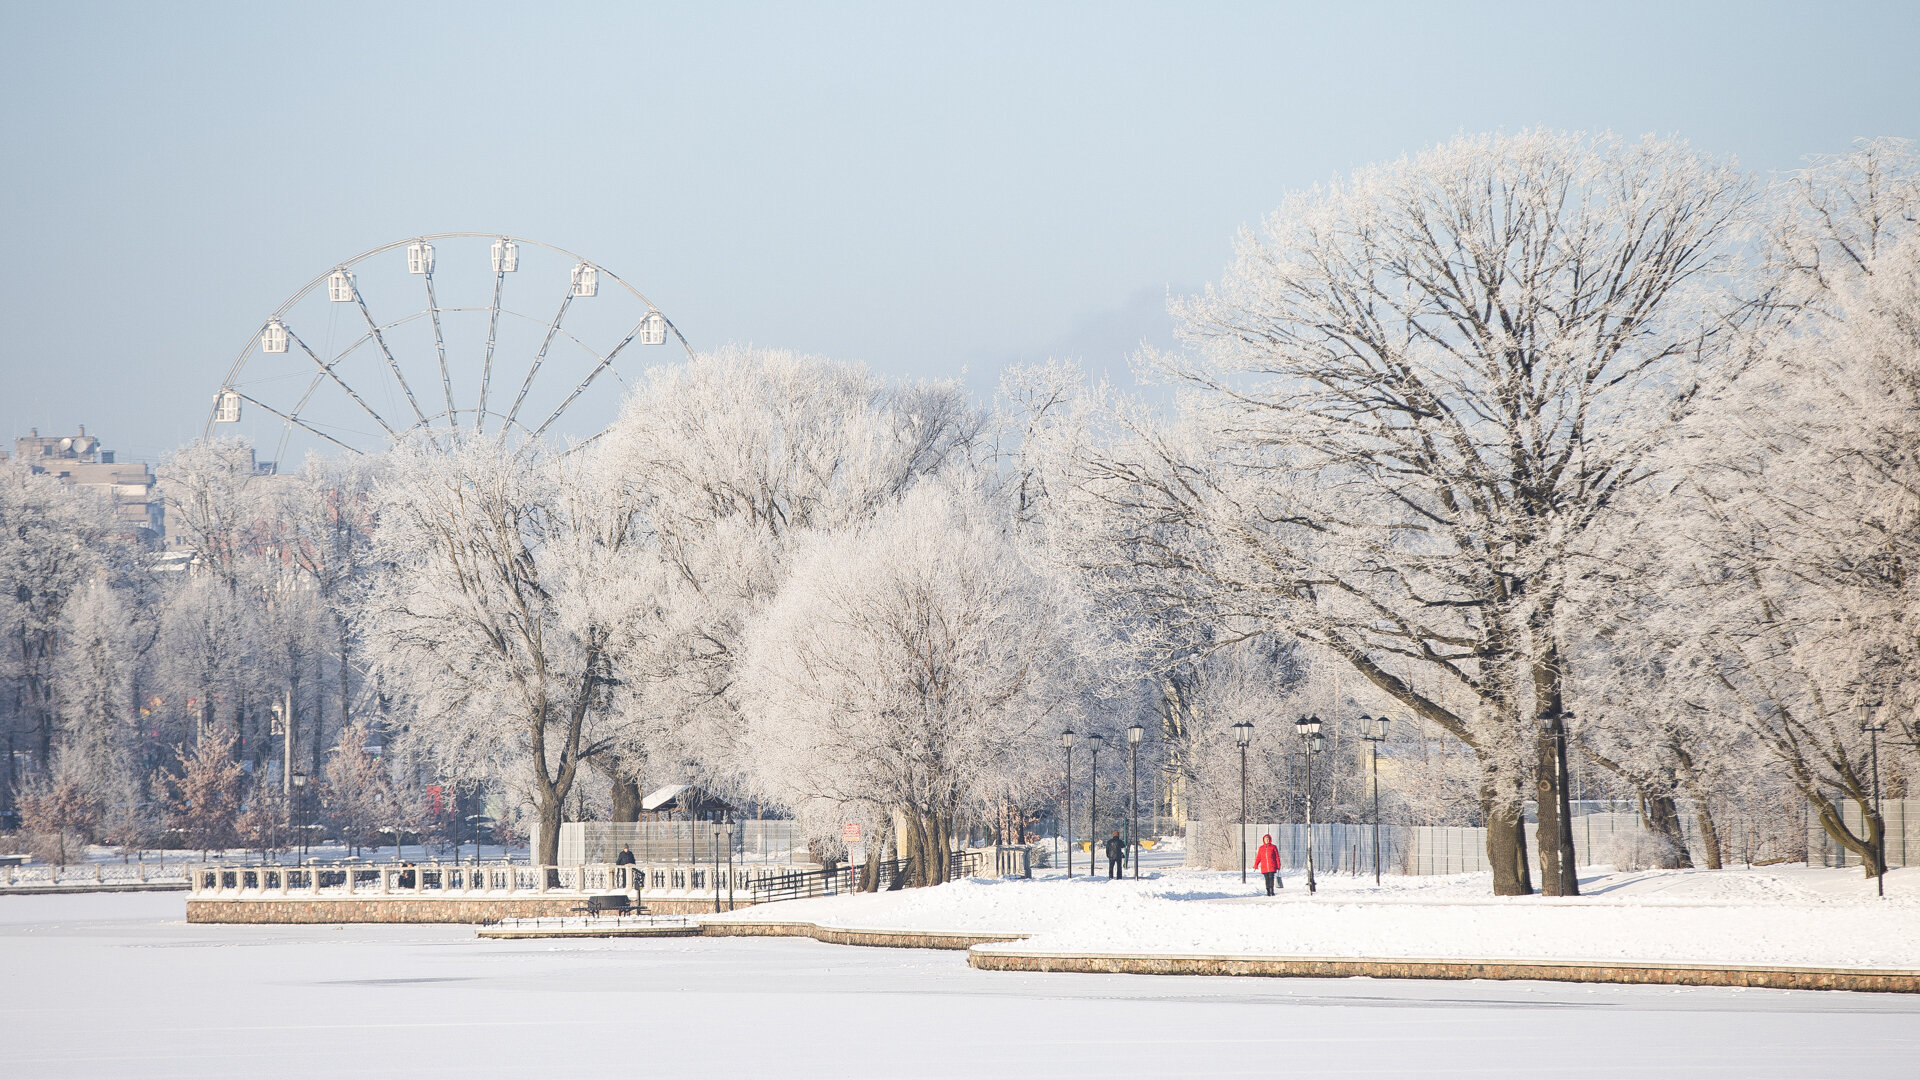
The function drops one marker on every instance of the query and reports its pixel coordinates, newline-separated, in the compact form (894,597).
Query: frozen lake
(120,985)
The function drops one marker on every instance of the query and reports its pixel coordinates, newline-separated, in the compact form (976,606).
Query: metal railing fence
(106,874)
(752,841)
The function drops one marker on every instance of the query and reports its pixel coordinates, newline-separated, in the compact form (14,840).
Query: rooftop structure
(78,459)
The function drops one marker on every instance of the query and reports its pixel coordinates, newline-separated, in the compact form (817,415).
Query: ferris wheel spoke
(294,419)
(392,364)
(541,356)
(493,334)
(286,430)
(327,369)
(318,415)
(440,345)
(604,364)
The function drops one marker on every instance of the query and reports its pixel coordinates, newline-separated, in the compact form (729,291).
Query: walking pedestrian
(625,858)
(1267,861)
(1116,856)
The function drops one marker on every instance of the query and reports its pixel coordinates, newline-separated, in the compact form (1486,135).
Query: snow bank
(1790,916)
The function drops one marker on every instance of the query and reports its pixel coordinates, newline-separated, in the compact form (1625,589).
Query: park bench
(608,904)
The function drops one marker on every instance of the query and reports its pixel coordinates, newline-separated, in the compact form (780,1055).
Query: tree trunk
(626,798)
(1663,817)
(1709,832)
(1867,847)
(1559,876)
(1507,851)
(876,854)
(939,842)
(547,841)
(1506,832)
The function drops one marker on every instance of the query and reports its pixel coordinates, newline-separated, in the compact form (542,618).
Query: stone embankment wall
(1782,978)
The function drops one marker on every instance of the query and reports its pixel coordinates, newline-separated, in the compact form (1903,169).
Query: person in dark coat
(625,858)
(1267,861)
(1116,856)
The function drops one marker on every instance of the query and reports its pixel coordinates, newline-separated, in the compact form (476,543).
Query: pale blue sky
(921,188)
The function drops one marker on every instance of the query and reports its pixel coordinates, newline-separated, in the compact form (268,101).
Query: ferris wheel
(329,370)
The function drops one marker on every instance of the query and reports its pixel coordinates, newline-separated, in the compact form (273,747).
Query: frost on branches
(1411,406)
(905,670)
(510,585)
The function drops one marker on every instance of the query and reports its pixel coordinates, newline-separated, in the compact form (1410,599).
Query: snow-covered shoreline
(1784,916)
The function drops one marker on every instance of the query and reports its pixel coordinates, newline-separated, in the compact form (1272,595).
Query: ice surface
(120,986)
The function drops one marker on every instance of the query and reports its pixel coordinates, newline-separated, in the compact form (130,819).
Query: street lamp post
(1873,728)
(1309,729)
(1374,730)
(297,810)
(1243,734)
(1134,734)
(1066,740)
(1094,742)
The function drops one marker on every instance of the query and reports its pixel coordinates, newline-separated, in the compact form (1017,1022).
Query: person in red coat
(1267,861)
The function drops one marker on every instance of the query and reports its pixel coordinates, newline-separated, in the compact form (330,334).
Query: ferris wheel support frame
(324,370)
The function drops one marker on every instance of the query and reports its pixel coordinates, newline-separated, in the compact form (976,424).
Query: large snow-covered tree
(55,541)
(511,583)
(907,667)
(1409,406)
(738,456)
(1782,573)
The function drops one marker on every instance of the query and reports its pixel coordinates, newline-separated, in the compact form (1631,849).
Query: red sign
(850,832)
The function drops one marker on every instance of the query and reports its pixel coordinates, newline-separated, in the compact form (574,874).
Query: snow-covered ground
(1776,915)
(120,986)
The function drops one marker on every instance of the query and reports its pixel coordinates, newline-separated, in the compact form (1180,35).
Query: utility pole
(1134,735)
(286,766)
(1309,729)
(1374,730)
(1243,734)
(1094,741)
(1066,741)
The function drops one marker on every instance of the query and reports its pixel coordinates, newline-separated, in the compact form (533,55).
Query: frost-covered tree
(213,503)
(511,583)
(324,527)
(102,645)
(907,668)
(207,797)
(738,456)
(358,795)
(1411,404)
(61,810)
(55,540)
(1782,572)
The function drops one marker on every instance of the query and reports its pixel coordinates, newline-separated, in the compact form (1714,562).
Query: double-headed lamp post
(1243,734)
(1374,730)
(1094,743)
(1309,730)
(1134,734)
(1873,728)
(1066,742)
